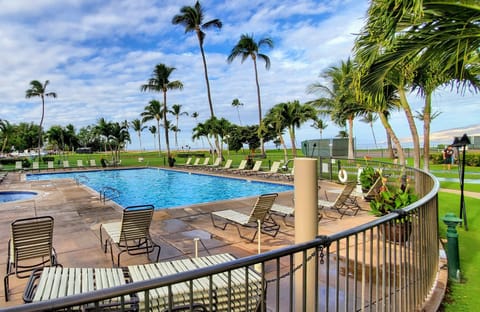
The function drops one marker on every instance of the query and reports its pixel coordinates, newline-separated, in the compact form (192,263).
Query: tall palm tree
(159,82)
(138,127)
(369,118)
(245,48)
(339,99)
(153,130)
(177,112)
(40,90)
(236,103)
(154,111)
(320,124)
(192,19)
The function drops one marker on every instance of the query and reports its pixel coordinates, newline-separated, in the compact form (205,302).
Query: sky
(97,53)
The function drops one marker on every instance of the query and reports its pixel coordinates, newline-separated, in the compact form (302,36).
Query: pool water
(166,188)
(15,195)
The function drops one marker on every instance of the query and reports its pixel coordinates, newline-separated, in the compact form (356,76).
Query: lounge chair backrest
(257,165)
(66,164)
(18,165)
(196,162)
(228,164)
(31,238)
(218,161)
(93,163)
(262,207)
(205,162)
(79,163)
(189,160)
(136,222)
(242,164)
(50,164)
(35,165)
(275,167)
(344,195)
(374,189)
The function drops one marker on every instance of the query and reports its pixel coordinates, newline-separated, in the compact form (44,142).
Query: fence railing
(388,264)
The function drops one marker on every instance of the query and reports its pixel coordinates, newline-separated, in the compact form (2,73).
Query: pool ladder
(108,193)
(81,179)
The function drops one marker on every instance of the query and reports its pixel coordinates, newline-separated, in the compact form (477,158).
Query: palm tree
(7,131)
(153,130)
(319,124)
(236,103)
(159,83)
(416,36)
(192,19)
(37,89)
(340,100)
(177,112)
(154,111)
(138,127)
(369,118)
(247,47)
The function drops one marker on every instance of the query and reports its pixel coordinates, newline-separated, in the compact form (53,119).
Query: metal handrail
(108,193)
(356,269)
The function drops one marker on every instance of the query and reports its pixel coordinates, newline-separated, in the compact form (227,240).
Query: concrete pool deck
(78,213)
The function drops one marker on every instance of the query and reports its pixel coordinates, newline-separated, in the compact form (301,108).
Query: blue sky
(97,54)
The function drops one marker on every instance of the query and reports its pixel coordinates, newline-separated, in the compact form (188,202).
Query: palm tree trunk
(350,137)
(165,123)
(396,141)
(285,150)
(40,130)
(291,132)
(159,140)
(373,134)
(427,115)
(212,114)
(413,128)
(259,102)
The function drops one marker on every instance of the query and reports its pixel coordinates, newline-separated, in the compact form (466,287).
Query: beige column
(306,227)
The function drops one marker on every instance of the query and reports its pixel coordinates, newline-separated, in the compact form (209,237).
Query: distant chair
(18,165)
(241,166)
(227,165)
(93,163)
(50,165)
(66,164)
(273,170)
(35,165)
(216,164)
(256,168)
(79,163)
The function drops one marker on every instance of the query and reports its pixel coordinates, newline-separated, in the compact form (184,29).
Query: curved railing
(362,268)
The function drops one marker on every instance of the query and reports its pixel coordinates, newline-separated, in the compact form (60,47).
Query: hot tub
(8,196)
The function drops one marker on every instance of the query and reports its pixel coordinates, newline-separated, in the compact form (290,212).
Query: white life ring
(342,175)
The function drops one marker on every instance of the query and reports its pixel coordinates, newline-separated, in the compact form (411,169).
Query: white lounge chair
(35,165)
(18,165)
(228,287)
(66,164)
(260,212)
(241,166)
(131,234)
(58,282)
(93,163)
(30,247)
(256,168)
(343,202)
(80,163)
(50,165)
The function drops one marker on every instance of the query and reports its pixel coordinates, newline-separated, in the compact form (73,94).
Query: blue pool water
(15,195)
(166,188)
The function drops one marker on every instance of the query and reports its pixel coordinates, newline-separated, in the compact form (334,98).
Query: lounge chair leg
(6,285)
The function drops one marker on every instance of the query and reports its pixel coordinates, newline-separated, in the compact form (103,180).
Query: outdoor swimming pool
(166,188)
